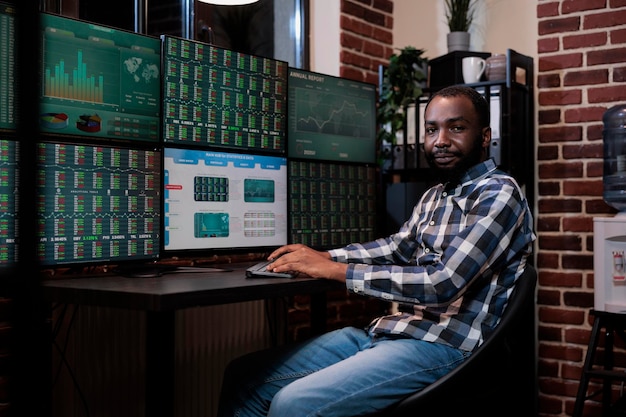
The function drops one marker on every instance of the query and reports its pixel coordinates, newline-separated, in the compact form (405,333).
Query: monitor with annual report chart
(97,204)
(221,98)
(216,200)
(98,82)
(331,118)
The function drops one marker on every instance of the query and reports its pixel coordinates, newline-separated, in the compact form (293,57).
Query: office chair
(498,379)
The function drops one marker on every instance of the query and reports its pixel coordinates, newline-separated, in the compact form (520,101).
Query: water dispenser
(609,240)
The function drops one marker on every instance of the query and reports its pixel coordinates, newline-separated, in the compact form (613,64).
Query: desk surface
(179,290)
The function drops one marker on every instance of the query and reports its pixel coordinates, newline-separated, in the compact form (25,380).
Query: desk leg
(318,313)
(160,363)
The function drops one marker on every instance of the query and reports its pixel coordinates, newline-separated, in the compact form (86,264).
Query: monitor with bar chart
(99,83)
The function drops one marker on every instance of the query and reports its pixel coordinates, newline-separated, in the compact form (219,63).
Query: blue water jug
(614,141)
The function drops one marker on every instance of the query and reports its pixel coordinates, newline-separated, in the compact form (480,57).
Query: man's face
(453,139)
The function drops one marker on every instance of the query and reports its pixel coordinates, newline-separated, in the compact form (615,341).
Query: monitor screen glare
(220,200)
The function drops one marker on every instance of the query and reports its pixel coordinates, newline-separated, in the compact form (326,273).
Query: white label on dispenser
(618,266)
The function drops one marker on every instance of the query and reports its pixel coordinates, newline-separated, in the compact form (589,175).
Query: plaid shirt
(453,265)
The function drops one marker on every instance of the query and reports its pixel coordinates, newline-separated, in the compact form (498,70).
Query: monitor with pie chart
(98,83)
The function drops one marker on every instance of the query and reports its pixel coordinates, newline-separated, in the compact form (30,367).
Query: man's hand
(304,260)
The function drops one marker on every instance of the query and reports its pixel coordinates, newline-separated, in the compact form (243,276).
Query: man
(451,268)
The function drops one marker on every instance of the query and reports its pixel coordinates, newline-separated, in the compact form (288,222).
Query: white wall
(324,31)
(499,25)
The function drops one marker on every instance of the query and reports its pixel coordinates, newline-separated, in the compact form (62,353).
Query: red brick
(600,76)
(547,9)
(594,132)
(584,114)
(560,97)
(556,62)
(549,224)
(560,242)
(558,25)
(595,168)
(549,188)
(551,116)
(582,151)
(578,298)
(603,20)
(619,74)
(559,206)
(582,188)
(578,224)
(548,45)
(561,170)
(606,56)
(606,94)
(560,134)
(574,6)
(585,40)
(558,315)
(549,298)
(547,260)
(618,36)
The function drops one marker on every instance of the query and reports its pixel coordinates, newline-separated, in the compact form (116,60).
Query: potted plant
(459,16)
(403,80)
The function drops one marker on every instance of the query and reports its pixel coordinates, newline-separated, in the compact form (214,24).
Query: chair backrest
(499,378)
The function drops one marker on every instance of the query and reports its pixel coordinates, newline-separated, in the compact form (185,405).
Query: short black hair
(478,100)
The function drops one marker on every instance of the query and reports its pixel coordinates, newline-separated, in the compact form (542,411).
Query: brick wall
(581,72)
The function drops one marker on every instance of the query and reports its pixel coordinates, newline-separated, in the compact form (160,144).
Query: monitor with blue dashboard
(217,200)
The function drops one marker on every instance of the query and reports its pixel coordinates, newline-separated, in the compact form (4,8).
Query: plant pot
(458,41)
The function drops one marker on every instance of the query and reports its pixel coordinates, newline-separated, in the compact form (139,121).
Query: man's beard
(454,174)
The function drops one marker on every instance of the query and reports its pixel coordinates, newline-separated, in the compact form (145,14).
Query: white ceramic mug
(473,68)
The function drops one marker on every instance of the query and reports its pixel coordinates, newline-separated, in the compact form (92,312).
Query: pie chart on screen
(89,123)
(54,120)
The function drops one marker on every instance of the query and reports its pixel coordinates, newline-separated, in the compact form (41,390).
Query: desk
(161,297)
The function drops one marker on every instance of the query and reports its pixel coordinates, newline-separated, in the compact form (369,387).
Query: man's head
(457,132)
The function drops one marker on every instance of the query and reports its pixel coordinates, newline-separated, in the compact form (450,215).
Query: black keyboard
(259,271)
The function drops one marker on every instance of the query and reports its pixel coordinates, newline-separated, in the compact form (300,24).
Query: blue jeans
(346,372)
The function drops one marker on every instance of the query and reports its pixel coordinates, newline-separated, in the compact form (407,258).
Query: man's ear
(486,137)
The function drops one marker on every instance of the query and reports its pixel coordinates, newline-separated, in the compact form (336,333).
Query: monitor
(97,204)
(331,204)
(8,202)
(8,59)
(331,118)
(221,98)
(215,200)
(99,83)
